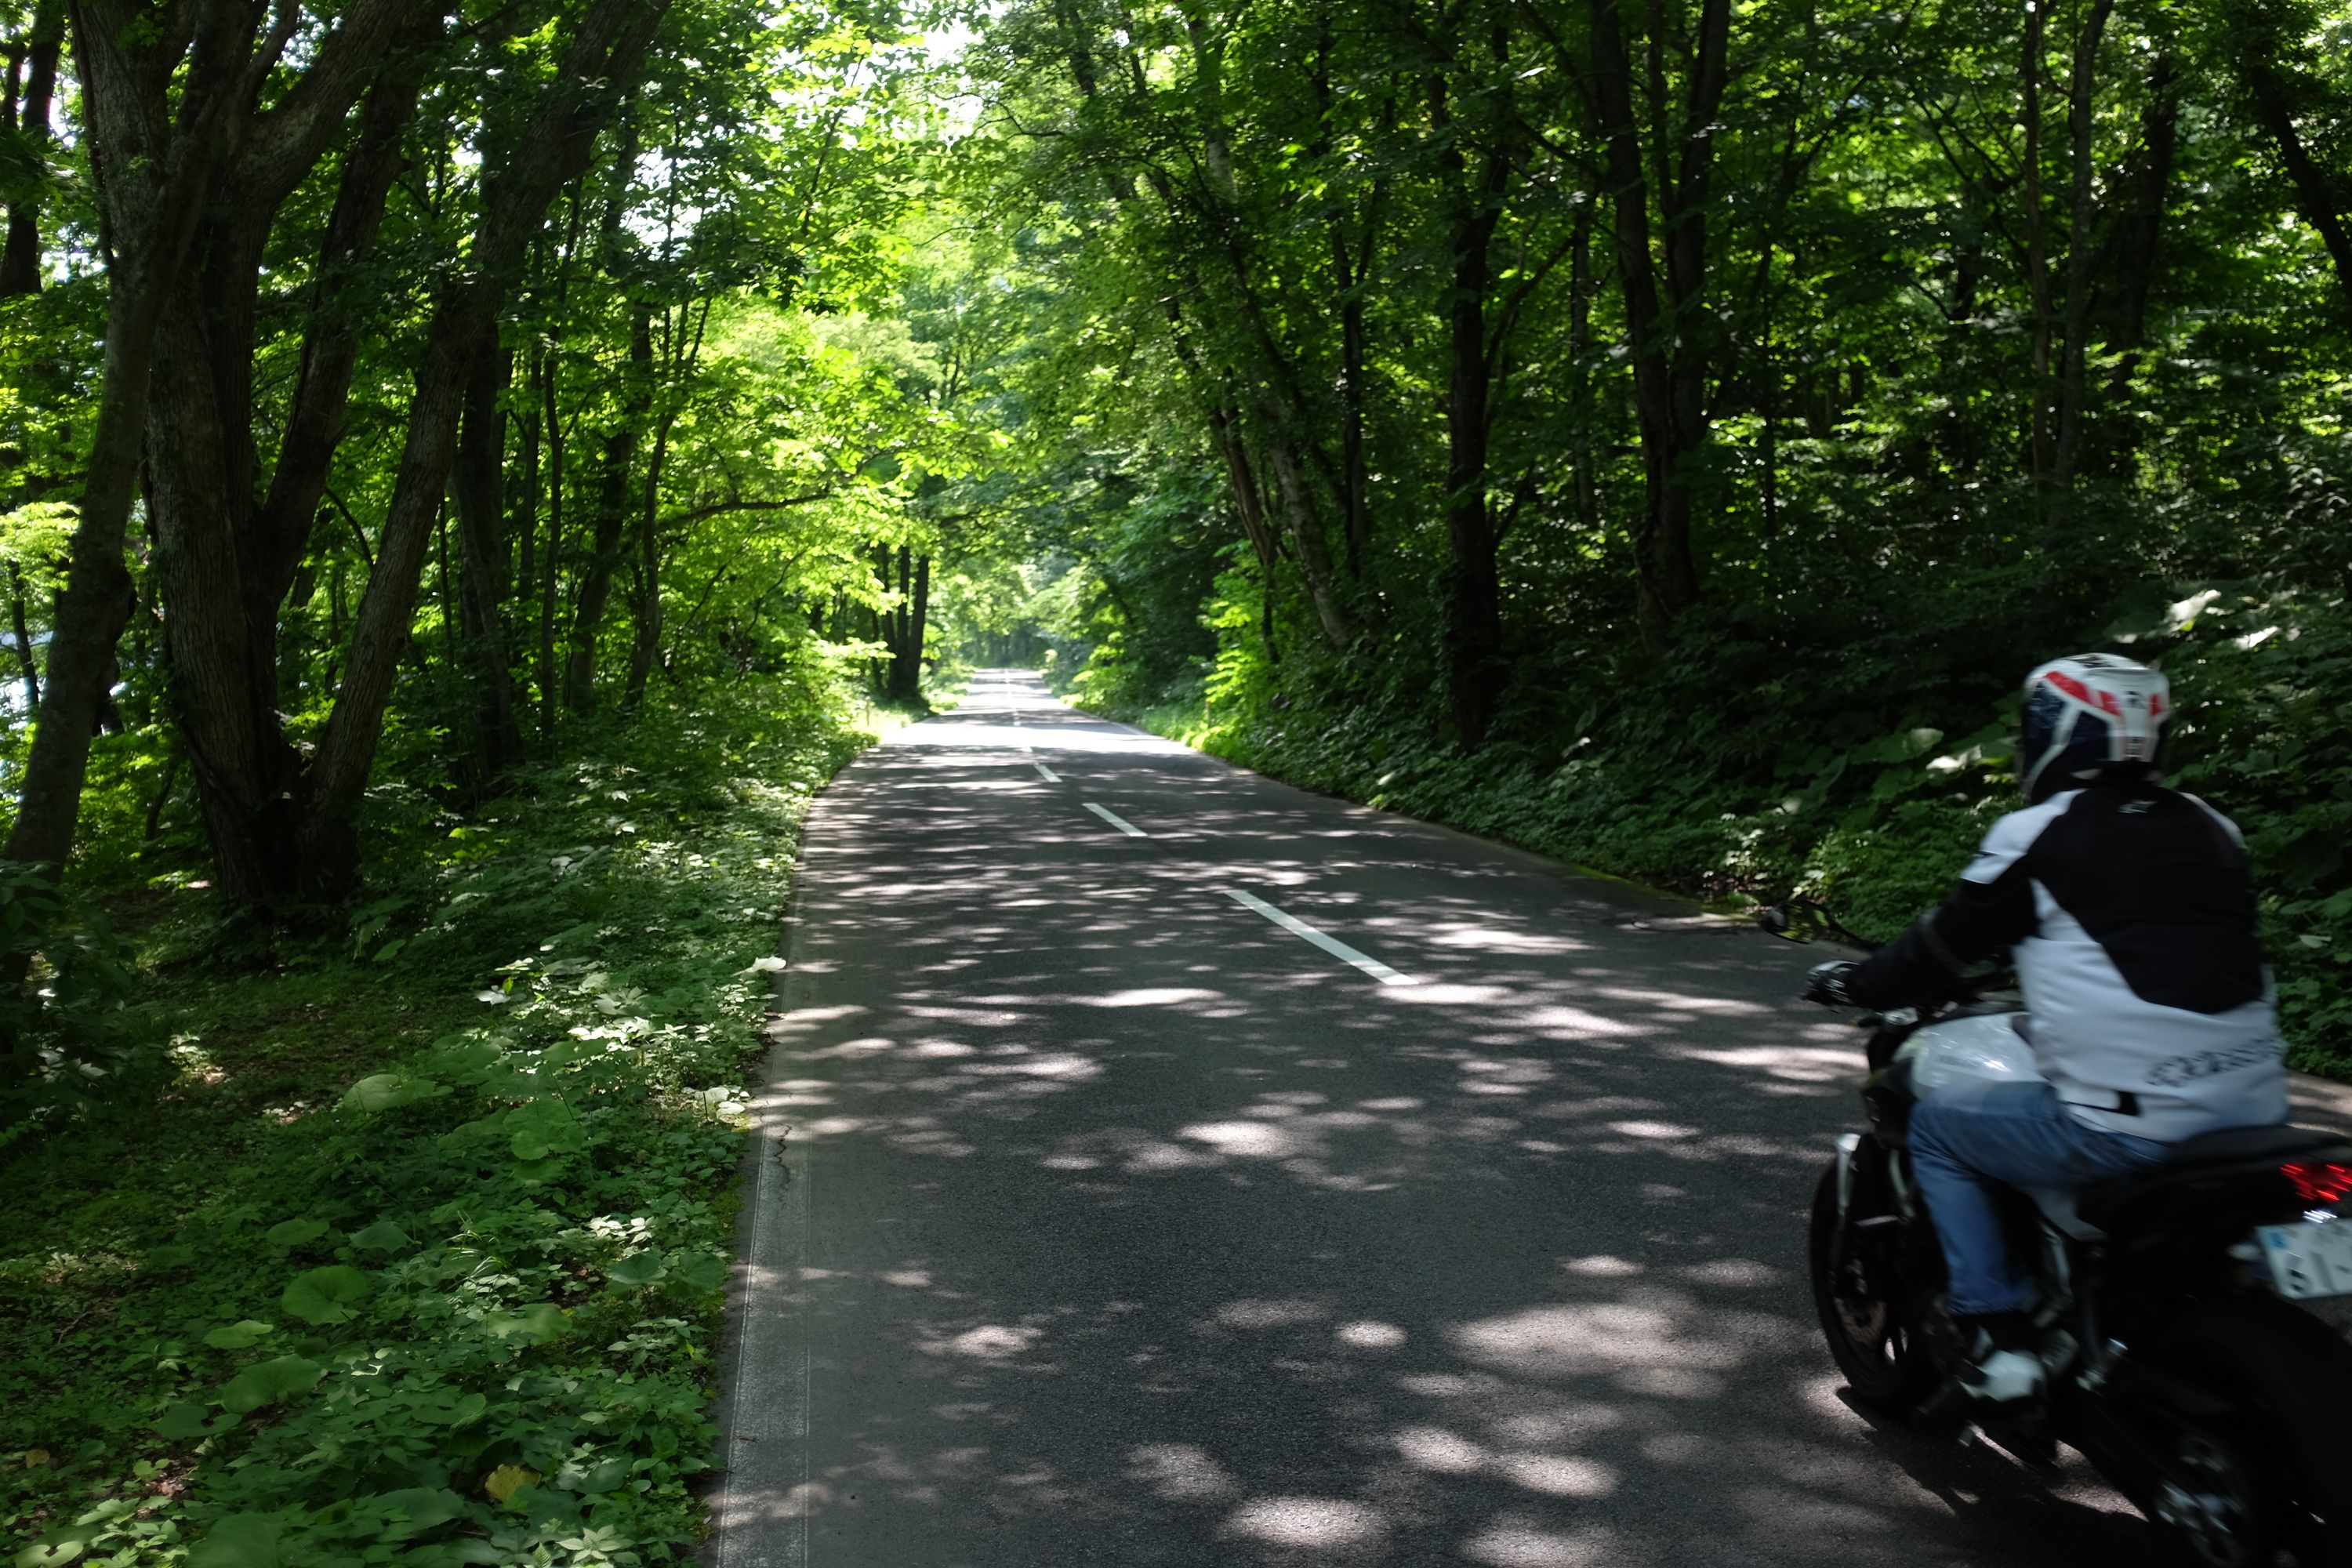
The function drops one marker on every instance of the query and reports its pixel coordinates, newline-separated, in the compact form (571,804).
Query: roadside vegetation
(413,1251)
(438,574)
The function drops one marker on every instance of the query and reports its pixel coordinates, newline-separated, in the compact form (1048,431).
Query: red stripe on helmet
(2068,685)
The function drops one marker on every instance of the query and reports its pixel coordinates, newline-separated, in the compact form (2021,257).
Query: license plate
(2307,1259)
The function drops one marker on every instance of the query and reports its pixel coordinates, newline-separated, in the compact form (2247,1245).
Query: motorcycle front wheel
(1870,1309)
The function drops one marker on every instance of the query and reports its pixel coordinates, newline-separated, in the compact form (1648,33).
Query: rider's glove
(1826,984)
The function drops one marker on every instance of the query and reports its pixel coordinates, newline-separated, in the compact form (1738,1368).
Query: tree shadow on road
(1142,1233)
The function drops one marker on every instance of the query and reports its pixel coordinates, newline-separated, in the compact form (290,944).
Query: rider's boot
(2000,1357)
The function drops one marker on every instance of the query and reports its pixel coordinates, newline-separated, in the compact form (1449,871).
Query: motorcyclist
(2131,915)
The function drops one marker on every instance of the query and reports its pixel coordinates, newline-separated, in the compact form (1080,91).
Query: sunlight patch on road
(1181,1472)
(1307,1522)
(1517,1543)
(1153,996)
(1244,1139)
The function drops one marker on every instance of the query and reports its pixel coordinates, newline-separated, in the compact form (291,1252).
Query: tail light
(2319,1184)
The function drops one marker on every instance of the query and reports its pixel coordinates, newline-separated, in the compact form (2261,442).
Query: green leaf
(535,1324)
(544,1128)
(701,1270)
(183,1421)
(637,1269)
(295,1232)
(173,1256)
(64,1545)
(420,1508)
(603,1475)
(240,1541)
(267,1383)
(389,1091)
(457,1414)
(240,1336)
(323,1295)
(382,1237)
(463,1059)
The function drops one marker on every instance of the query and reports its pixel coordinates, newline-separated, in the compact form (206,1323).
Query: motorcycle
(2181,1359)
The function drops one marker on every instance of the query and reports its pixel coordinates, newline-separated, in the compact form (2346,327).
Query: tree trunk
(24,639)
(2319,196)
(908,623)
(549,698)
(2037,246)
(481,531)
(648,648)
(605,56)
(153,171)
(1474,629)
(1668,374)
(618,463)
(224,561)
(1249,507)
(2080,248)
(20,258)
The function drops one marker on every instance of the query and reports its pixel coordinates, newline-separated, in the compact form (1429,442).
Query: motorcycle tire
(1871,1322)
(2287,1379)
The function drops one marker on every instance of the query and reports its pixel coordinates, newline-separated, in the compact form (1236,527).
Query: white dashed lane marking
(1330,944)
(1131,829)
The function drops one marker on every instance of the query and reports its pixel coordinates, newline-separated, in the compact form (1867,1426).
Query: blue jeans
(1967,1140)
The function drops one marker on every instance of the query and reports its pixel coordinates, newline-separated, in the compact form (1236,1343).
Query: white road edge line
(1330,944)
(1048,774)
(1122,823)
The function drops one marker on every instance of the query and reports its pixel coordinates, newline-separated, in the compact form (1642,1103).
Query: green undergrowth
(419,1258)
(1862,775)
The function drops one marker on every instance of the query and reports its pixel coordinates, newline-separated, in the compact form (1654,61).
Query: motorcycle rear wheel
(1869,1311)
(2271,1466)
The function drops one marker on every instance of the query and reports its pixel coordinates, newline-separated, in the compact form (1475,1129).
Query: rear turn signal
(2319,1184)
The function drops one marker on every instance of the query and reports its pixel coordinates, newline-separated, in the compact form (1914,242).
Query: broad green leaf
(457,1414)
(535,1324)
(267,1383)
(701,1270)
(183,1421)
(463,1059)
(389,1091)
(295,1232)
(240,1336)
(417,1508)
(323,1295)
(601,1476)
(59,1546)
(502,1483)
(637,1269)
(172,1256)
(382,1237)
(240,1541)
(544,1128)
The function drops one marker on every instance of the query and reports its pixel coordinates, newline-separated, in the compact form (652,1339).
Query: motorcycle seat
(2225,1151)
(2249,1143)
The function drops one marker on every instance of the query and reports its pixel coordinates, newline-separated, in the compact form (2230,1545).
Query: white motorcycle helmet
(2088,717)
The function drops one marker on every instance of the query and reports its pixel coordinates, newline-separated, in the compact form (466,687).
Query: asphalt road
(1100,1218)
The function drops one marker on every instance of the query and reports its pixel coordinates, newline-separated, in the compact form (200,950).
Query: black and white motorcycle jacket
(2132,919)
